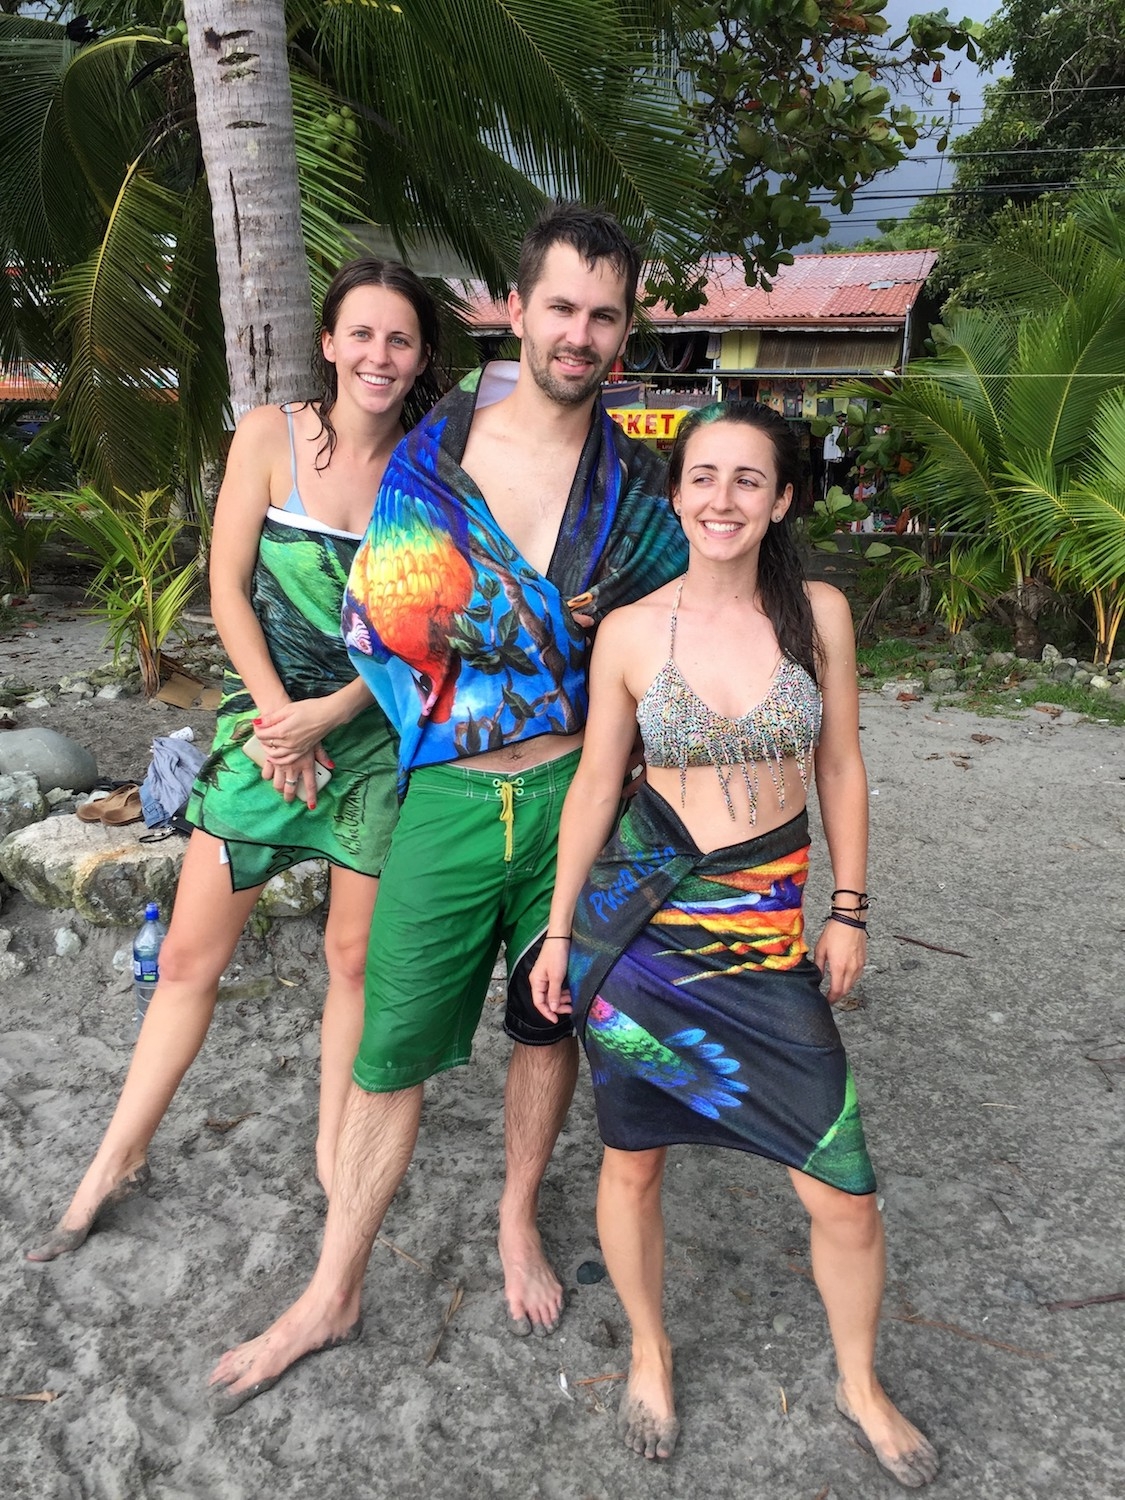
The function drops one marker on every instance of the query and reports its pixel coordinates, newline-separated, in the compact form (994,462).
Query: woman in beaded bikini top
(678,729)
(679,945)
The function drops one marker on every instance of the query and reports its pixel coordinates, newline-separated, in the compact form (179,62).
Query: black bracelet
(863,901)
(556,937)
(835,916)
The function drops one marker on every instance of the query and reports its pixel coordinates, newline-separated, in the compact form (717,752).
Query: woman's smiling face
(728,493)
(376,347)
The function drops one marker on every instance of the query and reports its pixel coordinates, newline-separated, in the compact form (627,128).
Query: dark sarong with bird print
(697,1003)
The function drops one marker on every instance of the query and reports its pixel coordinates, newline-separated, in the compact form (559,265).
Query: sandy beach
(987,1043)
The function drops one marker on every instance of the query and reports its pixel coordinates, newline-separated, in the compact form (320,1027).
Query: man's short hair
(593,232)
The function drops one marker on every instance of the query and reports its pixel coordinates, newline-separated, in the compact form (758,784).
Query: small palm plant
(1078,521)
(22,538)
(1010,416)
(140,587)
(26,464)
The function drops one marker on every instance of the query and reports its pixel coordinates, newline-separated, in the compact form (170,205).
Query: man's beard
(566,392)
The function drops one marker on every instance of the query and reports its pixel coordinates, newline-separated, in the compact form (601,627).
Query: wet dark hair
(593,232)
(781,574)
(368,270)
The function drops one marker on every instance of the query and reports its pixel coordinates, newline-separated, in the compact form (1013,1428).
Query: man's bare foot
(257,1366)
(532,1290)
(80,1218)
(902,1450)
(646,1418)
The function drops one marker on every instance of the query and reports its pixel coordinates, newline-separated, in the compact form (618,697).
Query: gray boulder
(20,802)
(11,964)
(107,875)
(52,758)
(296,892)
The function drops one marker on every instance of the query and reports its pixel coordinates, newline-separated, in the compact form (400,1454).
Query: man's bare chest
(527,501)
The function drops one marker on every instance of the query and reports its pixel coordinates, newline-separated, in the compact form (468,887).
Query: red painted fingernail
(331,765)
(257,721)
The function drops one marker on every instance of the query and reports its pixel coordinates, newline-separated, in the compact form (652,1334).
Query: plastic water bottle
(146,954)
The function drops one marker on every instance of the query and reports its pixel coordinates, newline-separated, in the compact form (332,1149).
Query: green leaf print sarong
(296,593)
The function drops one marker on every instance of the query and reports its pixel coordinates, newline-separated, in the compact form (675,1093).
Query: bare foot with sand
(93,1195)
(905,1453)
(533,1292)
(256,1366)
(646,1418)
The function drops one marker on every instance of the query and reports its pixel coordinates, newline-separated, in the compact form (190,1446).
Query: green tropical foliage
(447,119)
(1018,429)
(140,587)
(794,98)
(1052,115)
(27,464)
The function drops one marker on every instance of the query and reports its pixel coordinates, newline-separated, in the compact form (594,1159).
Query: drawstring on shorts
(507,791)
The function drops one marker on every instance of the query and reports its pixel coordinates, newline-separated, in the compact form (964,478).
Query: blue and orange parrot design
(686,1064)
(414,581)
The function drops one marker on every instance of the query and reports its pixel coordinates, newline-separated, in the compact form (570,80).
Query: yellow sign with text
(655,424)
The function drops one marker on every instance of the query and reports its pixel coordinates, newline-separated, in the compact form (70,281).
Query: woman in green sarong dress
(295,501)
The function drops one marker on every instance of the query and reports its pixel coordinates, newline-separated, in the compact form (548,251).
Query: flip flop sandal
(91,812)
(123,807)
(101,810)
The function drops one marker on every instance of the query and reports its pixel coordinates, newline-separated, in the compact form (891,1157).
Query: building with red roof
(826,316)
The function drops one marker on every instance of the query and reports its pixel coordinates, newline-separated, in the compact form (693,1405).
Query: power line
(1092,88)
(1000,189)
(956,155)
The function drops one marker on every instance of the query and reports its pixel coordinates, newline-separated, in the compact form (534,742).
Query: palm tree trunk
(244,106)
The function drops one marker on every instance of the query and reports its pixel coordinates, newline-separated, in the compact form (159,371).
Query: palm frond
(558,92)
(1066,362)
(1096,501)
(117,392)
(955,480)
(203,404)
(973,367)
(45,217)
(1040,257)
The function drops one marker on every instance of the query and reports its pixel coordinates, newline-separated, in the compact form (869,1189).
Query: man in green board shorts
(514,505)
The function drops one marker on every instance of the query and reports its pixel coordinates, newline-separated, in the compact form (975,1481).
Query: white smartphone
(258,753)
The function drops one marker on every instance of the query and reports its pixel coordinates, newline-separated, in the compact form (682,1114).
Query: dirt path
(996,1138)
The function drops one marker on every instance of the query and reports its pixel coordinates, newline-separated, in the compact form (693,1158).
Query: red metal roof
(871,287)
(27,385)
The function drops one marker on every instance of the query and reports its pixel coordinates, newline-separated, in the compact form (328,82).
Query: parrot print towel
(464,644)
(699,1009)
